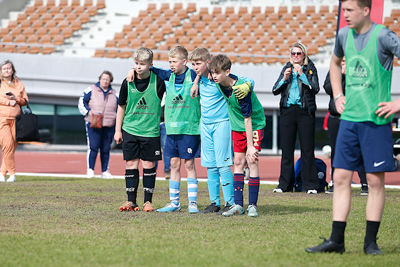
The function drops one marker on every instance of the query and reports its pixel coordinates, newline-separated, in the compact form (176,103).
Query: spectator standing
(297,84)
(98,104)
(12,97)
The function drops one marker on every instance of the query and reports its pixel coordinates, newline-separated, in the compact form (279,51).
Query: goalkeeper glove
(242,90)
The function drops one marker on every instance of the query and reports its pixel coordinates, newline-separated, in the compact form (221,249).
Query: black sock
(149,181)
(337,235)
(371,232)
(132,183)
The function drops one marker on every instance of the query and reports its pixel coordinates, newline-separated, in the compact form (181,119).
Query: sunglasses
(296,53)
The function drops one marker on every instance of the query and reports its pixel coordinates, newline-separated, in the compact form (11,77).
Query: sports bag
(321,171)
(27,125)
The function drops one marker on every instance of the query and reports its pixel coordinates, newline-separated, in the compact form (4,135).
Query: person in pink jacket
(12,97)
(98,104)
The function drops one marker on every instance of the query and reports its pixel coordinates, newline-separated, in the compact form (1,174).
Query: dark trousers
(99,139)
(295,120)
(333,128)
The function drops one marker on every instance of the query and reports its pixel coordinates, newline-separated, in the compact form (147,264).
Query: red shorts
(240,141)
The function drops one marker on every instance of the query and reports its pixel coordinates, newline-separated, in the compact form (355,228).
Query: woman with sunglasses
(297,85)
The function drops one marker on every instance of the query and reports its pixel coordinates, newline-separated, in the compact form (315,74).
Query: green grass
(75,222)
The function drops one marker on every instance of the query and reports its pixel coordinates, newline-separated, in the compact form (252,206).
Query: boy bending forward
(247,120)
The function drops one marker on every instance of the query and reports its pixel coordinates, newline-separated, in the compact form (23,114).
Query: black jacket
(328,90)
(307,93)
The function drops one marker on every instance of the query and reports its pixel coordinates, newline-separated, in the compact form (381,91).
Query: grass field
(75,222)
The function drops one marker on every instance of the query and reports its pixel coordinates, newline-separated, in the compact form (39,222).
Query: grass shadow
(390,249)
(278,209)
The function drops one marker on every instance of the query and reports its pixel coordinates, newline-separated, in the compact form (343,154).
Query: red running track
(75,163)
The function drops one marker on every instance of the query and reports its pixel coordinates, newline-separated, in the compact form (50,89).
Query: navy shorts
(182,146)
(365,144)
(139,147)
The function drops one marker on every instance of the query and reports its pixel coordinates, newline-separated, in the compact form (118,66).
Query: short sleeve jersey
(388,44)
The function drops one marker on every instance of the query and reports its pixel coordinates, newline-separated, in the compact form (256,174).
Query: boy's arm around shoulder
(162,73)
(242,90)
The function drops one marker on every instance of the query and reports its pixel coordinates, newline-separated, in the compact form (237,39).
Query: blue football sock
(192,189)
(227,184)
(213,186)
(238,184)
(254,186)
(174,189)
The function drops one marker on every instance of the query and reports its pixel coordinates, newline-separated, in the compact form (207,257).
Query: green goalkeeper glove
(242,90)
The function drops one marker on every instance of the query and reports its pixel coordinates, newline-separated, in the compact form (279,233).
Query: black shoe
(211,208)
(364,190)
(327,246)
(330,190)
(372,249)
(226,208)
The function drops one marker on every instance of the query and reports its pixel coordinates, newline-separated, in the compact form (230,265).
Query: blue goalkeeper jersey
(213,105)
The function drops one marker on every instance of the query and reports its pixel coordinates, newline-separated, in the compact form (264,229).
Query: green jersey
(235,111)
(182,112)
(367,81)
(143,110)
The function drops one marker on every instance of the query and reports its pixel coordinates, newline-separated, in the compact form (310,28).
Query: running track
(74,163)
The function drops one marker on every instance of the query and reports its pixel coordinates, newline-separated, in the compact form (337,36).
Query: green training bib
(143,110)
(367,81)
(235,112)
(182,112)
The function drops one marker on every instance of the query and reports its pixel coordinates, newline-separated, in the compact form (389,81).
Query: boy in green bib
(138,128)
(365,134)
(247,119)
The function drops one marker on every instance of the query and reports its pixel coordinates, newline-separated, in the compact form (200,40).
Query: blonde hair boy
(143,54)
(178,52)
(200,54)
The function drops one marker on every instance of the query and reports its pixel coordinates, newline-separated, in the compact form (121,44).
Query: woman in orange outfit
(12,97)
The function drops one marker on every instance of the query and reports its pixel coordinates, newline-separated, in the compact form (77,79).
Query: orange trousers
(8,143)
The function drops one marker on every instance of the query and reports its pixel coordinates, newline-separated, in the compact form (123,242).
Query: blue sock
(227,184)
(238,184)
(254,186)
(213,186)
(192,189)
(174,188)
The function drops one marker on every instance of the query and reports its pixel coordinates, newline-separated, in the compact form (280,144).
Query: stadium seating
(243,30)
(266,32)
(47,23)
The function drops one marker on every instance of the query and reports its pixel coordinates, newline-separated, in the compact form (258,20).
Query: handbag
(27,125)
(96,121)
